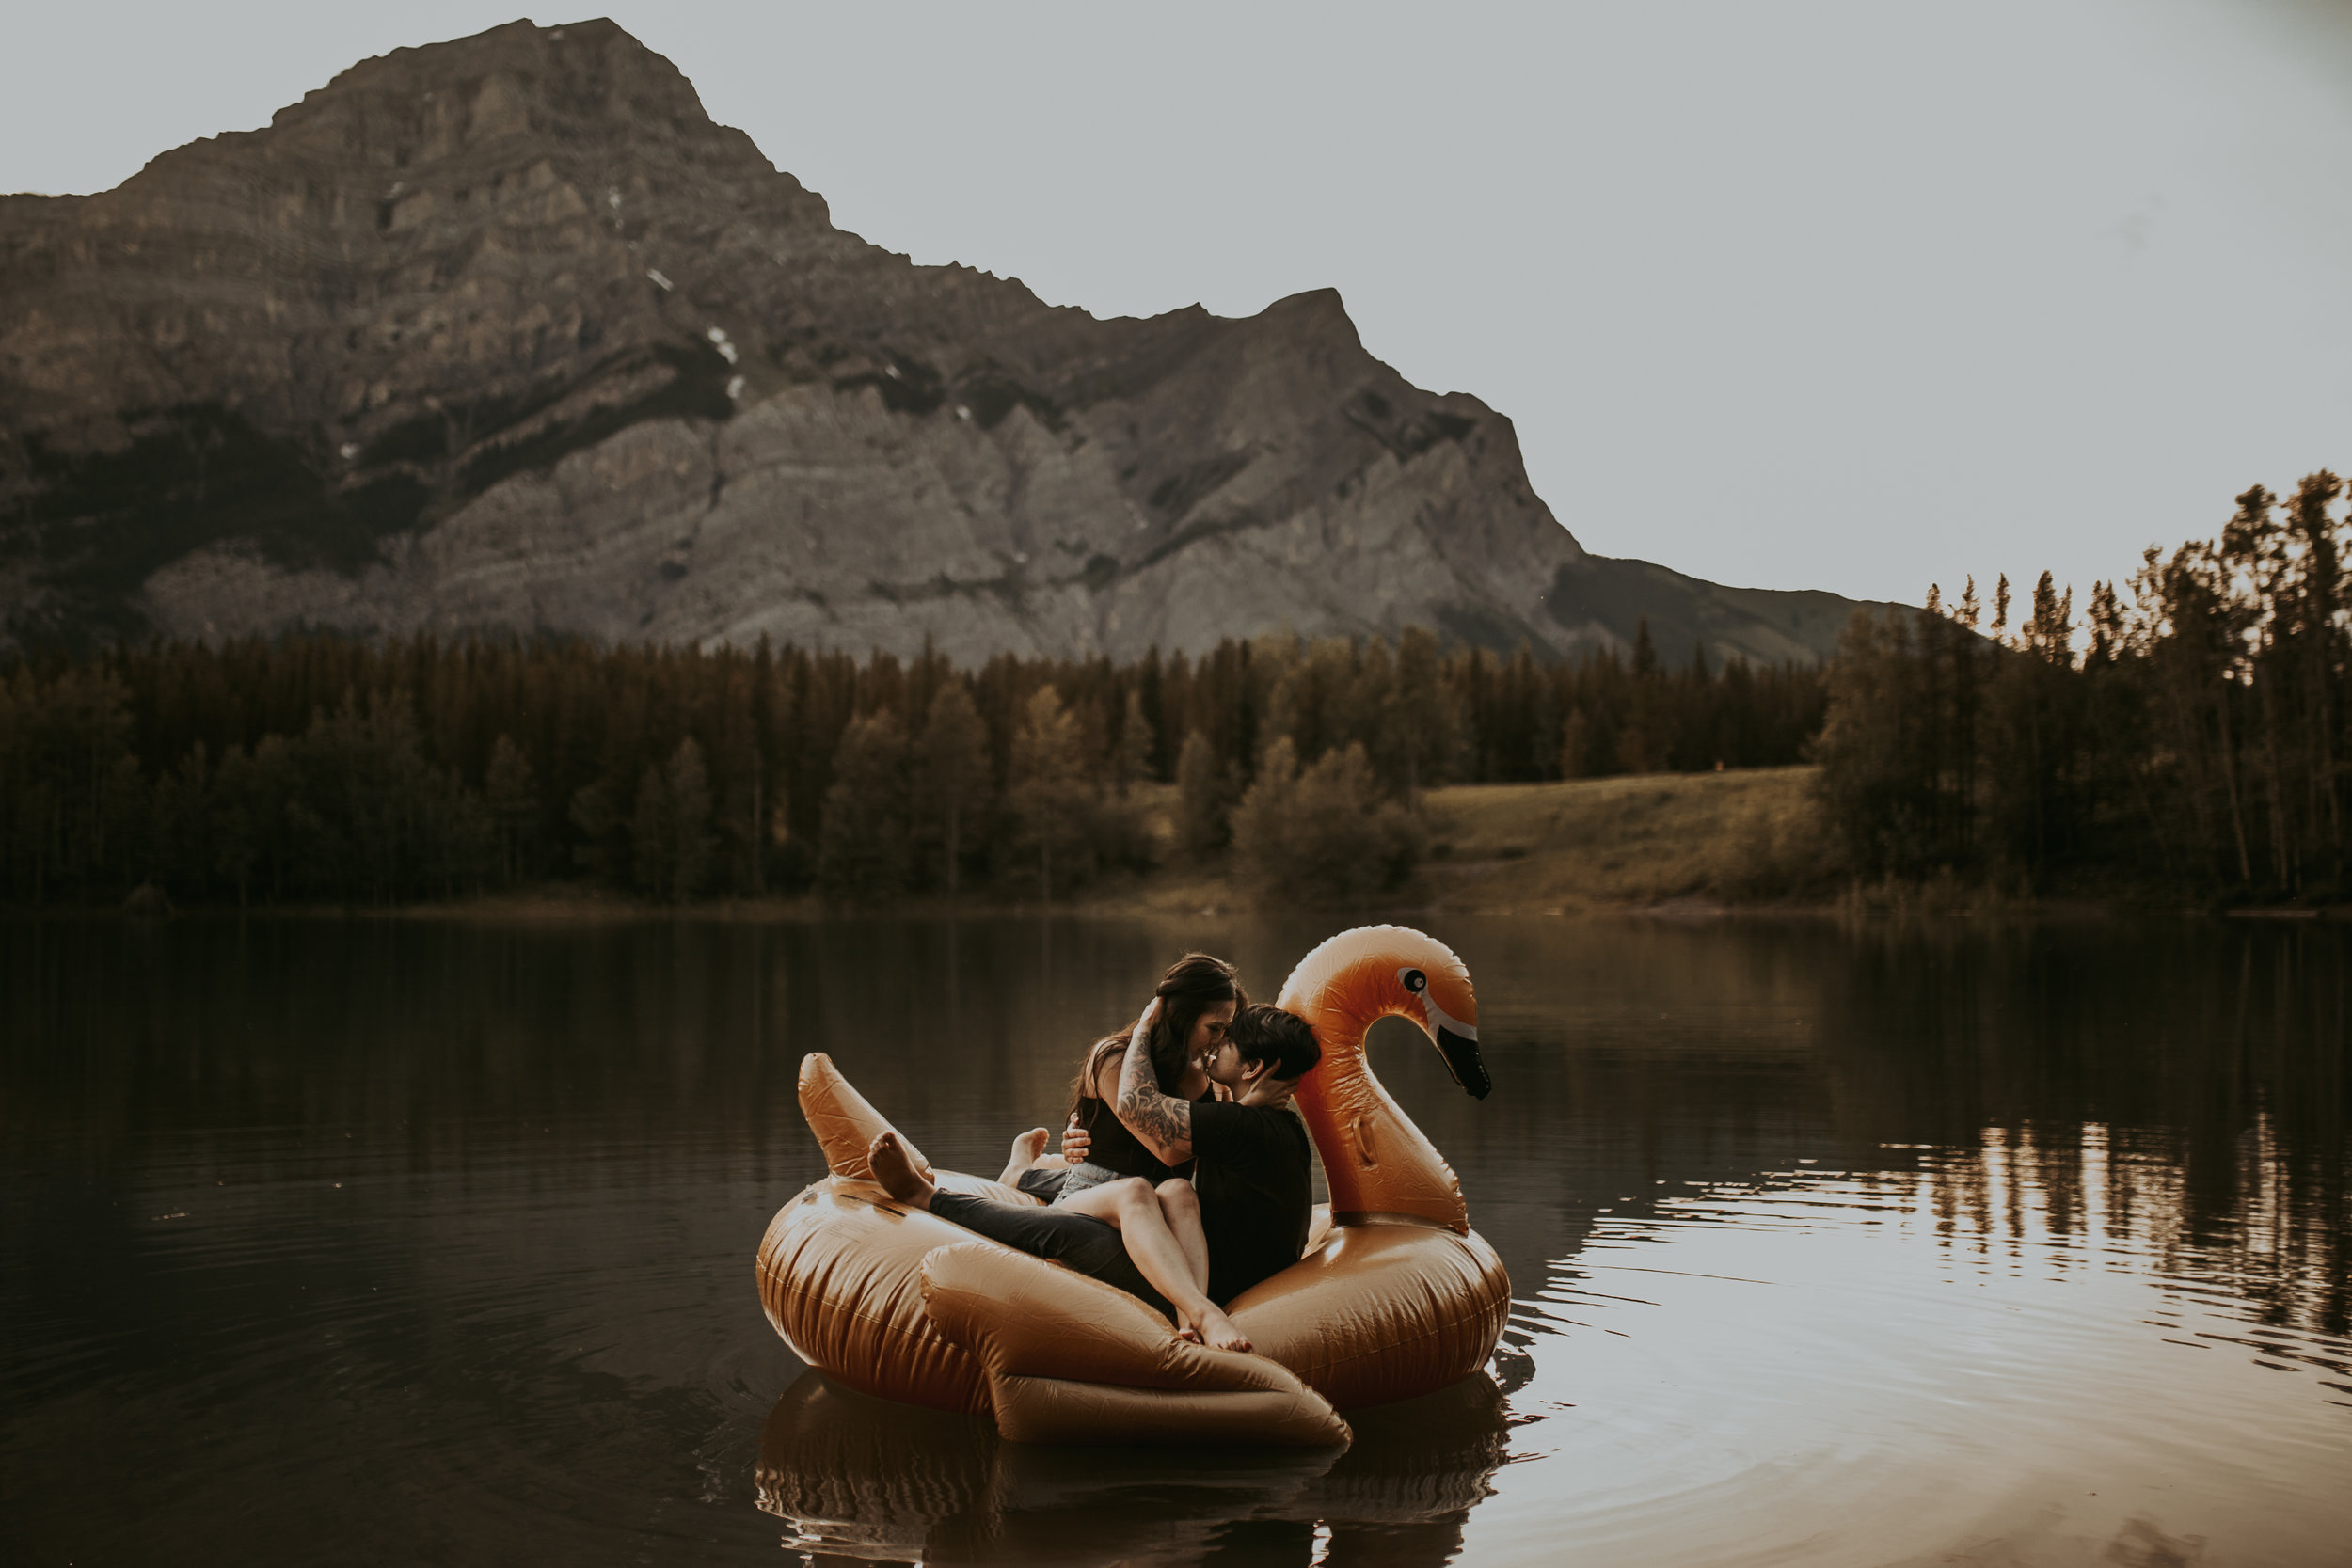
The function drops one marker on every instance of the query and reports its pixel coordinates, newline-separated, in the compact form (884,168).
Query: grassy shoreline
(1666,843)
(1672,843)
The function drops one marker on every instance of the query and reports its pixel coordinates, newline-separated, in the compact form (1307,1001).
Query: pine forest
(2183,738)
(311,769)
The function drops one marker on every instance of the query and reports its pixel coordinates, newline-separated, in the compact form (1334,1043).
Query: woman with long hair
(1198,998)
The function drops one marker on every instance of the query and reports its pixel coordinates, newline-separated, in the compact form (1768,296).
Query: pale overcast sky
(1848,296)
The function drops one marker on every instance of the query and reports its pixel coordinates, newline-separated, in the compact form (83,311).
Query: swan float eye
(1457,1041)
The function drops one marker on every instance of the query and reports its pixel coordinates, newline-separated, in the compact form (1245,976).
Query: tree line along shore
(2182,743)
(310,770)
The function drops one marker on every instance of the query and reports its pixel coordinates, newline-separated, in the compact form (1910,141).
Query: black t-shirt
(1254,1174)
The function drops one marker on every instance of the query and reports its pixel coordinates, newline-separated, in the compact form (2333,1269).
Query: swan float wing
(1071,1359)
(1381,1312)
(840,1279)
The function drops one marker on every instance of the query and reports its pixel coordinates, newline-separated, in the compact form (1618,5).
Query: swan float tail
(845,1123)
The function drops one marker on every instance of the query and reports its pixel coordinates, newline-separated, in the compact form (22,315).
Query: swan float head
(1454,1030)
(1379,1165)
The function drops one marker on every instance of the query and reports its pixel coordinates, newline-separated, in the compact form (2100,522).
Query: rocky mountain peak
(507,333)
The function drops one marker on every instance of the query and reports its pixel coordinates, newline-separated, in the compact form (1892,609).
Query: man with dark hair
(1255,1175)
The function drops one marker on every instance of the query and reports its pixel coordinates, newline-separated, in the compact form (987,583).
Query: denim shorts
(1084,1174)
(1051,1186)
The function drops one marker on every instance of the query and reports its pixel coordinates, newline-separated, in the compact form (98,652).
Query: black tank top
(1116,1148)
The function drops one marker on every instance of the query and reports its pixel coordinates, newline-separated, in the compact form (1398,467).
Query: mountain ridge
(507,333)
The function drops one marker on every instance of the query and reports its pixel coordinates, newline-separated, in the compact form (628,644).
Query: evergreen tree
(1576,745)
(513,797)
(1422,723)
(1135,744)
(597,818)
(1879,781)
(1204,796)
(691,843)
(1049,796)
(866,848)
(955,771)
(235,809)
(1324,836)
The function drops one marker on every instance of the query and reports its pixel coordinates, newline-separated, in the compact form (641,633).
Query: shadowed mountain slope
(505,333)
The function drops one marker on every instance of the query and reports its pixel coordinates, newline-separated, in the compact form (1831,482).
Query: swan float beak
(1457,1039)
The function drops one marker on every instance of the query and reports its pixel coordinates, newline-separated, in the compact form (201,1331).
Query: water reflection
(2197,1076)
(862,1480)
(2023,1243)
(2193,1099)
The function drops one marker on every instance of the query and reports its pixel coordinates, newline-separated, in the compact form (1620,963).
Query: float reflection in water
(868,1480)
(1395,1298)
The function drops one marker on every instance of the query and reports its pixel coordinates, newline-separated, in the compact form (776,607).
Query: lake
(431,1242)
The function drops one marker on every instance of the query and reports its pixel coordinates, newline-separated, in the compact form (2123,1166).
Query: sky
(1845,295)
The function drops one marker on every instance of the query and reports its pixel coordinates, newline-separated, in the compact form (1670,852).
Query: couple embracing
(1189,1176)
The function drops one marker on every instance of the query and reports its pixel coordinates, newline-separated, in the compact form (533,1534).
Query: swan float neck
(1380,1166)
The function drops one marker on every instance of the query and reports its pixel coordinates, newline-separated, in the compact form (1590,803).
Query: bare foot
(896,1172)
(1026,1150)
(1217,1331)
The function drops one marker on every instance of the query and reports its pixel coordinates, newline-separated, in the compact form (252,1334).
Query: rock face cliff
(505,333)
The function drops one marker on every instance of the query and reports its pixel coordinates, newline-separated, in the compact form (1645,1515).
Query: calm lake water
(431,1243)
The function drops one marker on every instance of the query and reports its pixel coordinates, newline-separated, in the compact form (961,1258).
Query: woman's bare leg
(1181,1207)
(1131,1205)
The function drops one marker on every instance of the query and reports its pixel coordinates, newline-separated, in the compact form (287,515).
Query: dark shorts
(1044,1185)
(1090,1245)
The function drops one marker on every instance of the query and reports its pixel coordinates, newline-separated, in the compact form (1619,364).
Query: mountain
(507,333)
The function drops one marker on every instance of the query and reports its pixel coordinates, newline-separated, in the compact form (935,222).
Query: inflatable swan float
(1396,1296)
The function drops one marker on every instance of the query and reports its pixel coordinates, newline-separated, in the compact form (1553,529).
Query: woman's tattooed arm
(1161,1124)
